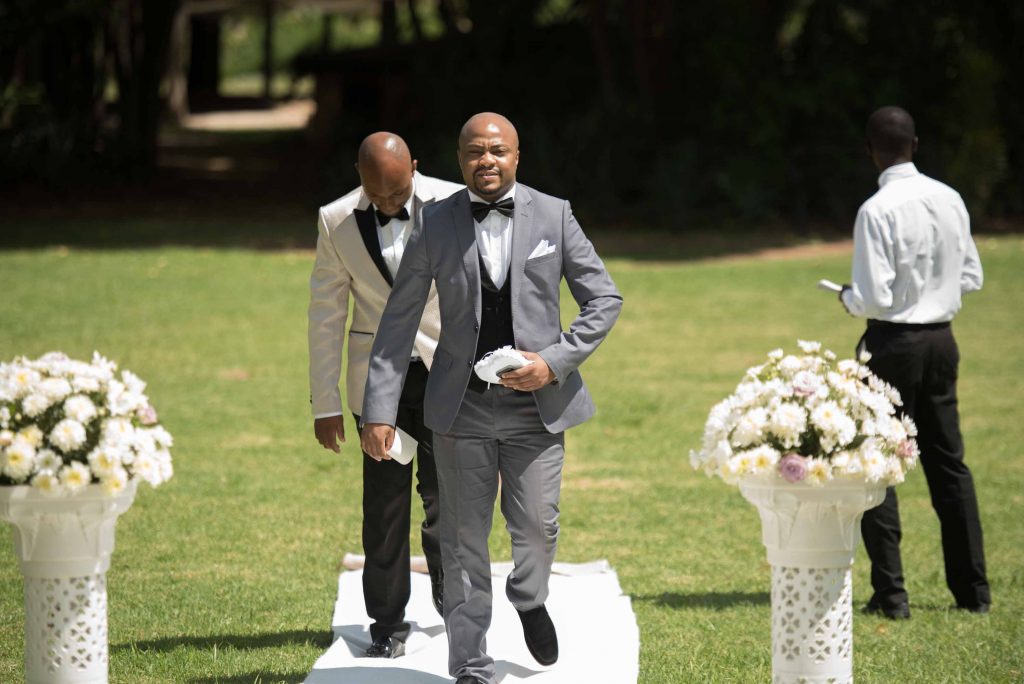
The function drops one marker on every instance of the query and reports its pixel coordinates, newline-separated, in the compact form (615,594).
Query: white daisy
(18,459)
(75,477)
(68,435)
(47,483)
(80,408)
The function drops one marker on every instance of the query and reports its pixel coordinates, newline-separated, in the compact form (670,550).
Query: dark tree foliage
(647,110)
(58,60)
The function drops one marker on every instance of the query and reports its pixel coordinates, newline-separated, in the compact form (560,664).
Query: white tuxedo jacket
(349,261)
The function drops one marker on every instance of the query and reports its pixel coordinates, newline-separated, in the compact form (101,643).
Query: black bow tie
(482,209)
(383,218)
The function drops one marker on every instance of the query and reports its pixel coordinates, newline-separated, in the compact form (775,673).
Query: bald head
(386,169)
(489,154)
(383,148)
(485,123)
(891,136)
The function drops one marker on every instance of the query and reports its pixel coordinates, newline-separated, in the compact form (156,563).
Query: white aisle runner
(597,634)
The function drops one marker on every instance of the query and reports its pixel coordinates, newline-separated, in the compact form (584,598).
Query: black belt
(875,323)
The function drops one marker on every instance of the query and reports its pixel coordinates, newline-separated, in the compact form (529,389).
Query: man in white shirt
(913,260)
(362,239)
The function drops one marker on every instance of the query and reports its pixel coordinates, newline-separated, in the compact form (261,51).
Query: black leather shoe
(466,679)
(386,647)
(437,591)
(900,611)
(980,609)
(540,635)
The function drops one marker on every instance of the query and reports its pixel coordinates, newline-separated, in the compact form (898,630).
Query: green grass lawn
(228,573)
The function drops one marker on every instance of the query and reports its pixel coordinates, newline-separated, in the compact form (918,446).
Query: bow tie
(482,209)
(383,219)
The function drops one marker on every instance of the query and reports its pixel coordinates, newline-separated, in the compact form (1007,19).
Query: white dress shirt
(494,239)
(913,256)
(394,236)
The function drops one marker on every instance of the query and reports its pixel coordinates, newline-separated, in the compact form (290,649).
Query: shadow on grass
(253,678)
(296,230)
(319,639)
(715,600)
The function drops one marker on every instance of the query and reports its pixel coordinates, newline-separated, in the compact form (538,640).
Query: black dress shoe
(900,611)
(466,679)
(386,647)
(437,591)
(980,609)
(540,635)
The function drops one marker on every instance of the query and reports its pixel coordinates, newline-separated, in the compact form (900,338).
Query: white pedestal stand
(64,546)
(811,534)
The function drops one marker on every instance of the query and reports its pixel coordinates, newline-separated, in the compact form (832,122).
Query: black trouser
(386,509)
(921,362)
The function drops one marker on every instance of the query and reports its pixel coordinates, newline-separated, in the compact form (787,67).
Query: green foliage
(228,572)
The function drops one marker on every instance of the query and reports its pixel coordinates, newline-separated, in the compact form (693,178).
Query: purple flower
(793,467)
(906,449)
(805,384)
(146,415)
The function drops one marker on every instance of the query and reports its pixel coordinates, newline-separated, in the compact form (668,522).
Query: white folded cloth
(494,363)
(541,249)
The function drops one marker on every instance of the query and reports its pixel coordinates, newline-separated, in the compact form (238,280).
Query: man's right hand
(377,439)
(329,431)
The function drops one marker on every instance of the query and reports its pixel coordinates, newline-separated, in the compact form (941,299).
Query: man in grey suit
(497,252)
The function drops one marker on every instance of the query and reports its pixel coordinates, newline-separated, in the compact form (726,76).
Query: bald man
(498,252)
(913,261)
(362,238)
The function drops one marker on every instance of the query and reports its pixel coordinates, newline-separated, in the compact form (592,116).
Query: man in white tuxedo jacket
(362,237)
(497,252)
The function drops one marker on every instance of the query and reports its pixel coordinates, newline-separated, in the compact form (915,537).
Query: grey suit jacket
(348,266)
(443,250)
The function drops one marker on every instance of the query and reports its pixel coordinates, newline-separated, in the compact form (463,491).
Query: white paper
(403,448)
(829,286)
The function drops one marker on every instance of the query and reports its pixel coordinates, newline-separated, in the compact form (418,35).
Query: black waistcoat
(495,314)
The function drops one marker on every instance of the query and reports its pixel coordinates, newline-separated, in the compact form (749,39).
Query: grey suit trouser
(497,432)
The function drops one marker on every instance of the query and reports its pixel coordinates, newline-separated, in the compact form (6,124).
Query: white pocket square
(542,249)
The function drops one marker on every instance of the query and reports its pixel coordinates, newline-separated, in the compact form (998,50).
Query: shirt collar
(510,194)
(408,204)
(896,172)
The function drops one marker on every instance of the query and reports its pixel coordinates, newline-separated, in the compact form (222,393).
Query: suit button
(476,328)
(469,364)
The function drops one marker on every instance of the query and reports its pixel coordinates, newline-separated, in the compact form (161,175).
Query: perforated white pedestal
(811,535)
(64,546)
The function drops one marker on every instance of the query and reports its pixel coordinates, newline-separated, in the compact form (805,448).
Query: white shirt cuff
(318,416)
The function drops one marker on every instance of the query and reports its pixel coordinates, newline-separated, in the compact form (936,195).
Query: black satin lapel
(368,230)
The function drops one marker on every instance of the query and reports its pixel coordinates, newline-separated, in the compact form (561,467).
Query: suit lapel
(368,230)
(522,229)
(465,233)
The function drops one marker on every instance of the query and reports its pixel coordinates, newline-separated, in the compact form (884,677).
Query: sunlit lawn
(228,573)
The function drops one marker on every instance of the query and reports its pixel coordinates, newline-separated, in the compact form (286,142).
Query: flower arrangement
(809,419)
(65,424)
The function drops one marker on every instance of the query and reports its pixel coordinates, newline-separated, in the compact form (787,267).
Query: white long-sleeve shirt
(394,236)
(494,239)
(913,255)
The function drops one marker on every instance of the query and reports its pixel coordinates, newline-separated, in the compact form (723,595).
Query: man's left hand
(529,378)
(844,290)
